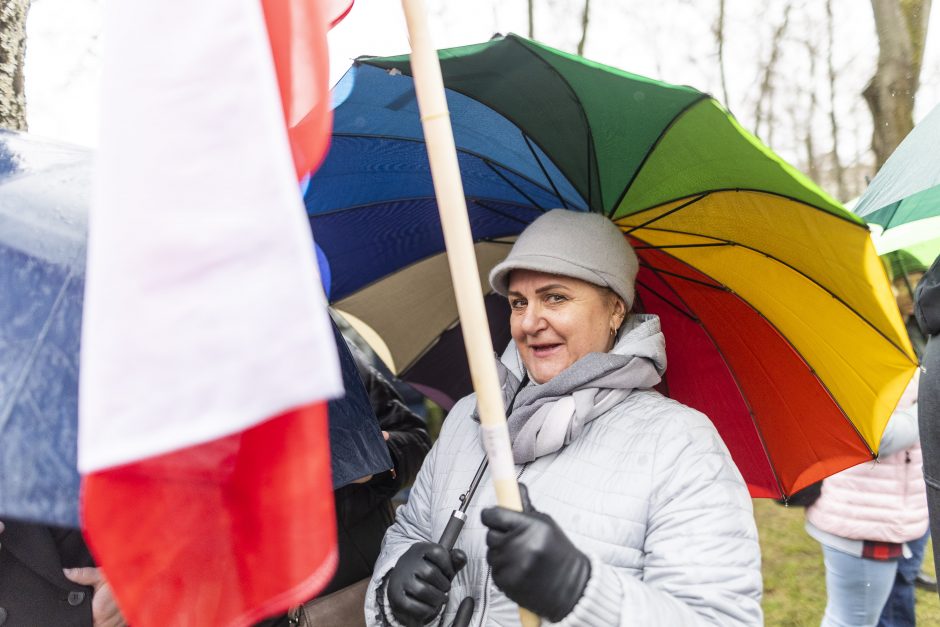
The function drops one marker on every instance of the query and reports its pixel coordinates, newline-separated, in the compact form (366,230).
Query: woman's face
(904,292)
(556,320)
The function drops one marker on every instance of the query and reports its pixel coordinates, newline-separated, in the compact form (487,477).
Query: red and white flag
(207,353)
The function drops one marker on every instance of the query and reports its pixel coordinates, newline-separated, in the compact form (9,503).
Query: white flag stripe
(204,313)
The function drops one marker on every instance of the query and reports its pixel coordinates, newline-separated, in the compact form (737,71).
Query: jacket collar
(35,547)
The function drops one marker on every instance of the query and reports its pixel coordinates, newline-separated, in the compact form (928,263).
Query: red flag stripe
(223,533)
(297,30)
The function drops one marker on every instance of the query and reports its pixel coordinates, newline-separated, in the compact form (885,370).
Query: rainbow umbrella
(780,324)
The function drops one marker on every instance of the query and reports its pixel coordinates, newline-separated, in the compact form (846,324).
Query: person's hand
(104,609)
(533,561)
(420,581)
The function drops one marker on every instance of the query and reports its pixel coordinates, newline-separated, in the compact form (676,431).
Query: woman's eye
(555,298)
(517,303)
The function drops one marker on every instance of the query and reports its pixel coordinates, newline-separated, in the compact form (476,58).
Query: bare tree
(902,31)
(812,167)
(531,19)
(12,52)
(719,31)
(764,110)
(833,118)
(584,26)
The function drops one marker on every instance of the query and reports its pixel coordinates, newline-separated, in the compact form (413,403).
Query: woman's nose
(532,320)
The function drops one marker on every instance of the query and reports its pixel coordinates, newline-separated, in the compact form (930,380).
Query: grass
(794,578)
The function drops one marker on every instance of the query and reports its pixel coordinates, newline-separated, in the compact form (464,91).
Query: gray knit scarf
(548,416)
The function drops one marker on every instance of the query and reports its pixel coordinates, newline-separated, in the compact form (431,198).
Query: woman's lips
(545,350)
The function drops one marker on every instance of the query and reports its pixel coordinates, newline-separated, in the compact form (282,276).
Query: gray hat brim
(499,275)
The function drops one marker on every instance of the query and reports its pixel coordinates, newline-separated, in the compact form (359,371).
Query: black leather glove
(533,561)
(420,581)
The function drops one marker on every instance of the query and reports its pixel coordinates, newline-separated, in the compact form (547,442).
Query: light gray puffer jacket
(648,491)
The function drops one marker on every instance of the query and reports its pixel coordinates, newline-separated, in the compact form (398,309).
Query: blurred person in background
(871,519)
(927,310)
(48,577)
(364,508)
(906,271)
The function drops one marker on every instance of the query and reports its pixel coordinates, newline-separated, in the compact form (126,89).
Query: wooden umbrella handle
(445,172)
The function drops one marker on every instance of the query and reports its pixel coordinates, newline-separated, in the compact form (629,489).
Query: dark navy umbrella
(44,196)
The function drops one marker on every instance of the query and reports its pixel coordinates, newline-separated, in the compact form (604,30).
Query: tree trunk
(812,167)
(531,19)
(584,26)
(833,118)
(12,52)
(765,99)
(902,30)
(720,37)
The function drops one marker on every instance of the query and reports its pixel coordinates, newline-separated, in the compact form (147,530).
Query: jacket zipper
(907,473)
(489,569)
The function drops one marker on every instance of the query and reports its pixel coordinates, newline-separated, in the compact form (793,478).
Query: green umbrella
(905,194)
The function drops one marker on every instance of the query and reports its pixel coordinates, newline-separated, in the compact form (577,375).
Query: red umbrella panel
(734,365)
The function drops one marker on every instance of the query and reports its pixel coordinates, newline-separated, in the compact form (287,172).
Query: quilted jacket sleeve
(412,524)
(927,301)
(702,558)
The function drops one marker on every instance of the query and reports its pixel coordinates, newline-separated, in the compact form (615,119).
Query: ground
(794,579)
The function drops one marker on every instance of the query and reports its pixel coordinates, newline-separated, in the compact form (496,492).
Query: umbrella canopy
(907,187)
(779,322)
(44,194)
(904,197)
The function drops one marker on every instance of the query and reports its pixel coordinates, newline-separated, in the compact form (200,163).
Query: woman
(863,519)
(642,517)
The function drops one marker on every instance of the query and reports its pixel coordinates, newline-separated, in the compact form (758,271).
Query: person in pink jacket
(865,516)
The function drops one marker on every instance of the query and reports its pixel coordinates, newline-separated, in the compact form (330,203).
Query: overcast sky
(670,40)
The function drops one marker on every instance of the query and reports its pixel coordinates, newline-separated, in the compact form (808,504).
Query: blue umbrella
(44,194)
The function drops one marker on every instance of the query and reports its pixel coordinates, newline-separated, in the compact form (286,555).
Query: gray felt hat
(586,246)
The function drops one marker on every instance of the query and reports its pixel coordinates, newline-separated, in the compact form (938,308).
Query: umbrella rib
(518,41)
(714,286)
(492,167)
(508,216)
(654,146)
(670,246)
(894,212)
(809,368)
(545,172)
(687,314)
(724,360)
(590,132)
(472,153)
(794,269)
(668,213)
(394,201)
(336,300)
(33,354)
(846,218)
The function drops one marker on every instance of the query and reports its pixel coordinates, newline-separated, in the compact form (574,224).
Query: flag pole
(452,205)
